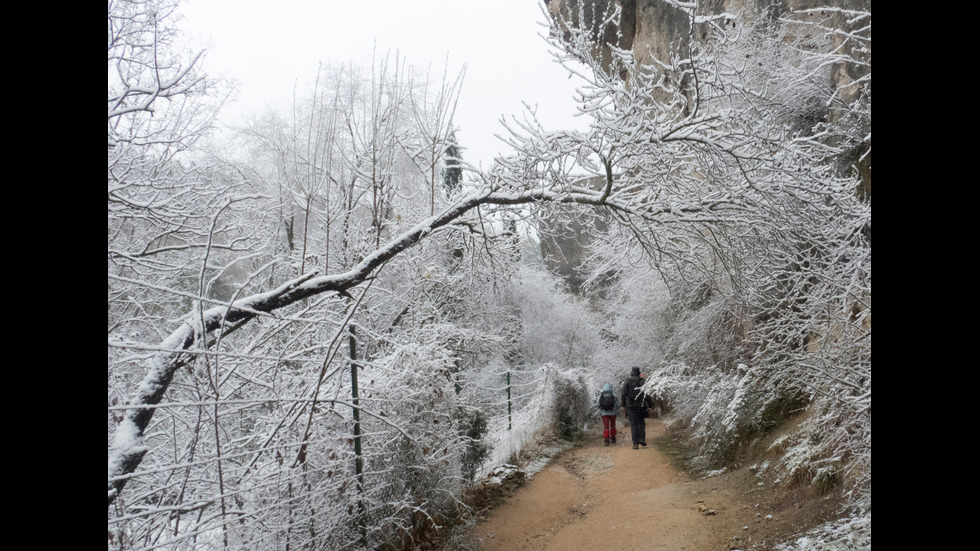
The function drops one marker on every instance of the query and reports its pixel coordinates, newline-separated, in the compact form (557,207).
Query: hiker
(608,404)
(637,406)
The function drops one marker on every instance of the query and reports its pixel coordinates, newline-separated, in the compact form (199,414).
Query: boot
(643,443)
(613,439)
(606,442)
(636,447)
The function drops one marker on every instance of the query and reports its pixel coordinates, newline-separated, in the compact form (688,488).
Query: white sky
(269,46)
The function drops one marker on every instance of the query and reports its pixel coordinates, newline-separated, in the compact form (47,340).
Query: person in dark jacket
(608,414)
(637,406)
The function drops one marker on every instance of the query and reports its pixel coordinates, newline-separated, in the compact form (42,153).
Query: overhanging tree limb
(127,450)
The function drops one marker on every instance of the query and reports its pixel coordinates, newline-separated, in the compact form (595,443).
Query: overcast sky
(267,47)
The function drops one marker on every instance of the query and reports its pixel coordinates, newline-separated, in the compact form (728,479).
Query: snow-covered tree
(294,340)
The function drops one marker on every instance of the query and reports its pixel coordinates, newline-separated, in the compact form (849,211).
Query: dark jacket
(626,395)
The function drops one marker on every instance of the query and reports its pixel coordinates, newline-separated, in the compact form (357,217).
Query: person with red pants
(608,404)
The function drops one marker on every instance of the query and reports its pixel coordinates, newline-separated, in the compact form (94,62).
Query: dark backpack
(607,401)
(633,394)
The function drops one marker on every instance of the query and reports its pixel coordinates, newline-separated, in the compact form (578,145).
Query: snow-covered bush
(851,533)
(473,429)
(573,406)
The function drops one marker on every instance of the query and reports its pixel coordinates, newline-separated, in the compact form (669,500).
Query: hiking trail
(596,497)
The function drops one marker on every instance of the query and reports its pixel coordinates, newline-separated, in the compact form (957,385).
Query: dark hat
(635,372)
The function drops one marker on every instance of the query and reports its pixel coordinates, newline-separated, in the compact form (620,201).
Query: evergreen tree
(452,174)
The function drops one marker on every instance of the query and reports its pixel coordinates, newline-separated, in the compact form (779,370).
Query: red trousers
(608,426)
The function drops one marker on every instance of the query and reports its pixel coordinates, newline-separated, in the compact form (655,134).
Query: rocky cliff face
(661,29)
(565,239)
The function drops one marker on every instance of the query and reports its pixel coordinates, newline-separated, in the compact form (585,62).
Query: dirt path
(597,497)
